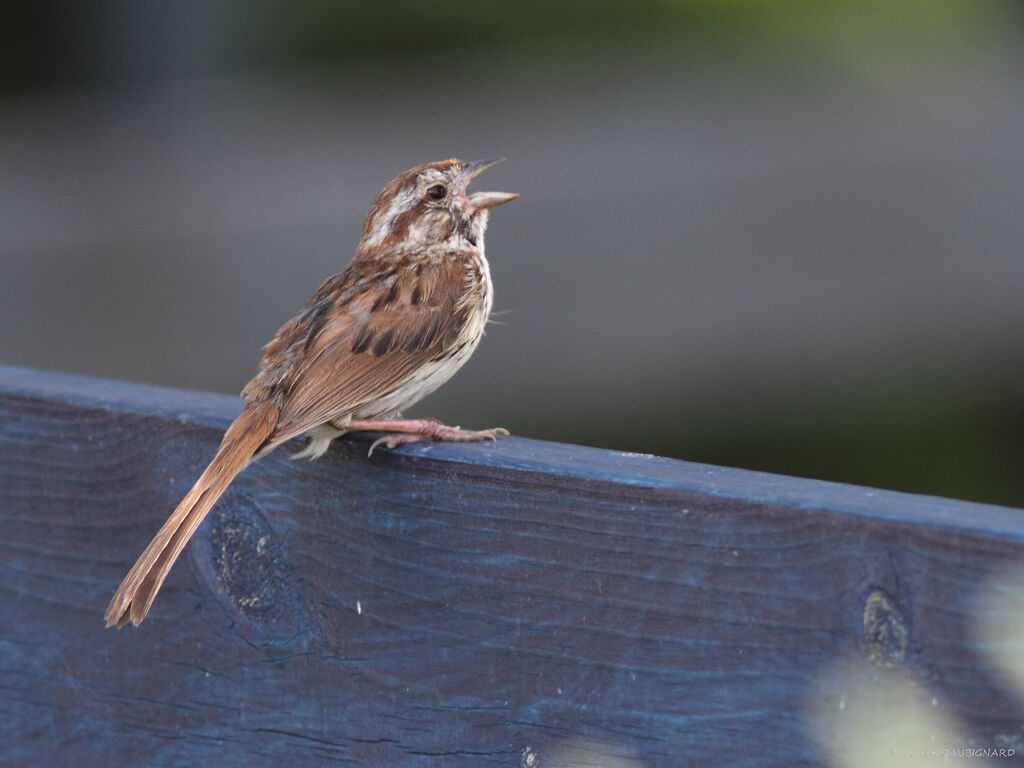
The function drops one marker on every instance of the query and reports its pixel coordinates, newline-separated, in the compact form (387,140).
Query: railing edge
(515,454)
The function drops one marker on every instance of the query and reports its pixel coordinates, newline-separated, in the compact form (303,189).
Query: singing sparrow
(389,330)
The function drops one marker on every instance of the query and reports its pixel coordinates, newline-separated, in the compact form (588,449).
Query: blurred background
(782,236)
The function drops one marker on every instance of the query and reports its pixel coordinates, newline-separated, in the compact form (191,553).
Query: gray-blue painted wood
(456,605)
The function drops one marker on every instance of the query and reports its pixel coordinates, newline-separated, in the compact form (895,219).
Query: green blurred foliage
(943,436)
(401,27)
(47,43)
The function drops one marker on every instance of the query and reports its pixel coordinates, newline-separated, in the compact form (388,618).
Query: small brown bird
(386,332)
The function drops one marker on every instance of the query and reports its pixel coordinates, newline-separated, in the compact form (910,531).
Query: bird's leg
(404,431)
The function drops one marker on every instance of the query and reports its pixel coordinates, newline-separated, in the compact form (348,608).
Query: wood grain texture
(458,605)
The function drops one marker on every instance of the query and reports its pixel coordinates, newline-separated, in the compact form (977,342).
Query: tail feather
(243,439)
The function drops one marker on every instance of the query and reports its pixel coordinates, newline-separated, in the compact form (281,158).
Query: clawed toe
(395,440)
(435,430)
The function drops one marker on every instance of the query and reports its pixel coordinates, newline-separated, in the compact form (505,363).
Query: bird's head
(428,206)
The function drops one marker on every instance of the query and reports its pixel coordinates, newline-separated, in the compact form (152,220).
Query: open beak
(482,200)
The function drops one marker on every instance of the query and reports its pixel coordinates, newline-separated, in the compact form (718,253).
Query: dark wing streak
(358,355)
(296,336)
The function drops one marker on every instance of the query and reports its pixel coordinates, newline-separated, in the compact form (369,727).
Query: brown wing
(361,336)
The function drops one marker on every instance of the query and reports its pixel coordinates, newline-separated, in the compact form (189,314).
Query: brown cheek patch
(400,224)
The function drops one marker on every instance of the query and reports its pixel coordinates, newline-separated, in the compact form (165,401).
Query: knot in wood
(885,630)
(249,566)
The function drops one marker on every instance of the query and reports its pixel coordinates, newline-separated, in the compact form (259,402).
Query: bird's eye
(437,192)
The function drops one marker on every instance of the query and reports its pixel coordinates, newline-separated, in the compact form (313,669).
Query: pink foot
(405,431)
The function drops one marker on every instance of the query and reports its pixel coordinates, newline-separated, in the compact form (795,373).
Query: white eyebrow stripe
(382,226)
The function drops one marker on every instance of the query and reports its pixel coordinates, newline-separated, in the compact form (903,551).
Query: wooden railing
(522,604)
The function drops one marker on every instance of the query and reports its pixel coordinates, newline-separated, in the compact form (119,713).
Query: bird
(395,325)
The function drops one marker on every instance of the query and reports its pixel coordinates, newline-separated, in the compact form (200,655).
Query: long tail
(243,439)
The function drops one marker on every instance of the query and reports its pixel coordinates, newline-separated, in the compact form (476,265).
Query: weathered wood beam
(516,604)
